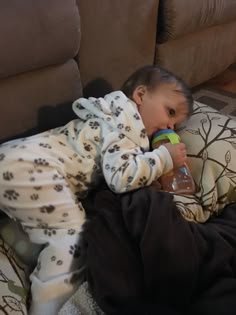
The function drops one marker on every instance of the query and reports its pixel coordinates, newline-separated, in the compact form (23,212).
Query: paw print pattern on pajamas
(143,133)
(118,110)
(97,103)
(87,147)
(47,209)
(96,139)
(81,177)
(113,169)
(8,176)
(152,162)
(65,132)
(61,160)
(74,250)
(41,224)
(120,126)
(50,232)
(79,204)
(55,177)
(125,156)
(45,145)
(62,143)
(143,181)
(79,106)
(59,262)
(113,149)
(94,125)
(58,188)
(41,161)
(71,232)
(11,194)
(89,116)
(121,136)
(136,116)
(37,187)
(34,197)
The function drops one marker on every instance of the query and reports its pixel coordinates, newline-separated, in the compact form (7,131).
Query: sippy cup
(178,180)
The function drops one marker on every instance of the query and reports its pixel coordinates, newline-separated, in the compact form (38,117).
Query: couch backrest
(117,38)
(39,77)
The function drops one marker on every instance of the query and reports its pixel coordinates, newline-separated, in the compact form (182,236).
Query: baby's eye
(172,112)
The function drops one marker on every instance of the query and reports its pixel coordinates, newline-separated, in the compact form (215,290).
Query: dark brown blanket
(144,258)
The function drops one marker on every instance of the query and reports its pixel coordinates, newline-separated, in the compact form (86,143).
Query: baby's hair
(153,77)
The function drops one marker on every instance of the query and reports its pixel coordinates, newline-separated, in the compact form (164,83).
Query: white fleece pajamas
(44,177)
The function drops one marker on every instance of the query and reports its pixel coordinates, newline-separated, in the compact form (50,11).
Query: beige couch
(42,46)
(193,38)
(39,40)
(196,38)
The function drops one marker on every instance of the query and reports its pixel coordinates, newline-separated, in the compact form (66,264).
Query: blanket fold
(143,258)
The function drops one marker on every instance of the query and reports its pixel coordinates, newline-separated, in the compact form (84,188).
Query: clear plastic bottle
(178,180)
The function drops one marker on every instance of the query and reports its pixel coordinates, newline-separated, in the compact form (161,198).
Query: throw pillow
(13,282)
(210,138)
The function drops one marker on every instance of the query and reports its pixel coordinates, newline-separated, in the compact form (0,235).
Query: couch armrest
(116,39)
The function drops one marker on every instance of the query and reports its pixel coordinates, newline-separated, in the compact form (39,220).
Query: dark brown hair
(153,77)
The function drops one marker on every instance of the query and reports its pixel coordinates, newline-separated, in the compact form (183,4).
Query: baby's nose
(171,126)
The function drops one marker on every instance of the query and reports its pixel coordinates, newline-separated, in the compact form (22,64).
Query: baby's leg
(58,272)
(34,189)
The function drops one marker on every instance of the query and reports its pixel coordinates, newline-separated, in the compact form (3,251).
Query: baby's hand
(178,153)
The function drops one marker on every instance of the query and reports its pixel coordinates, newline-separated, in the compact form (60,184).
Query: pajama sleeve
(126,167)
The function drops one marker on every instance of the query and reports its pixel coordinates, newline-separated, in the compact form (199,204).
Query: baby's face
(163,108)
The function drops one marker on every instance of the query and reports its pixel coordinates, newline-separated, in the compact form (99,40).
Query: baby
(44,177)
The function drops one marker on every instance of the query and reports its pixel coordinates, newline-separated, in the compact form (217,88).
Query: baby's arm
(126,167)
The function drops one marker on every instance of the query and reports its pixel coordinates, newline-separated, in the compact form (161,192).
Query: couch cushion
(40,98)
(178,17)
(193,56)
(36,34)
(117,38)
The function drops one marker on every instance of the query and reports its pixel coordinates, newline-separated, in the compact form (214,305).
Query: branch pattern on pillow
(210,138)
(13,282)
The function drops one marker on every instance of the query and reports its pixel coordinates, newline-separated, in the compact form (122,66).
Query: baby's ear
(138,94)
